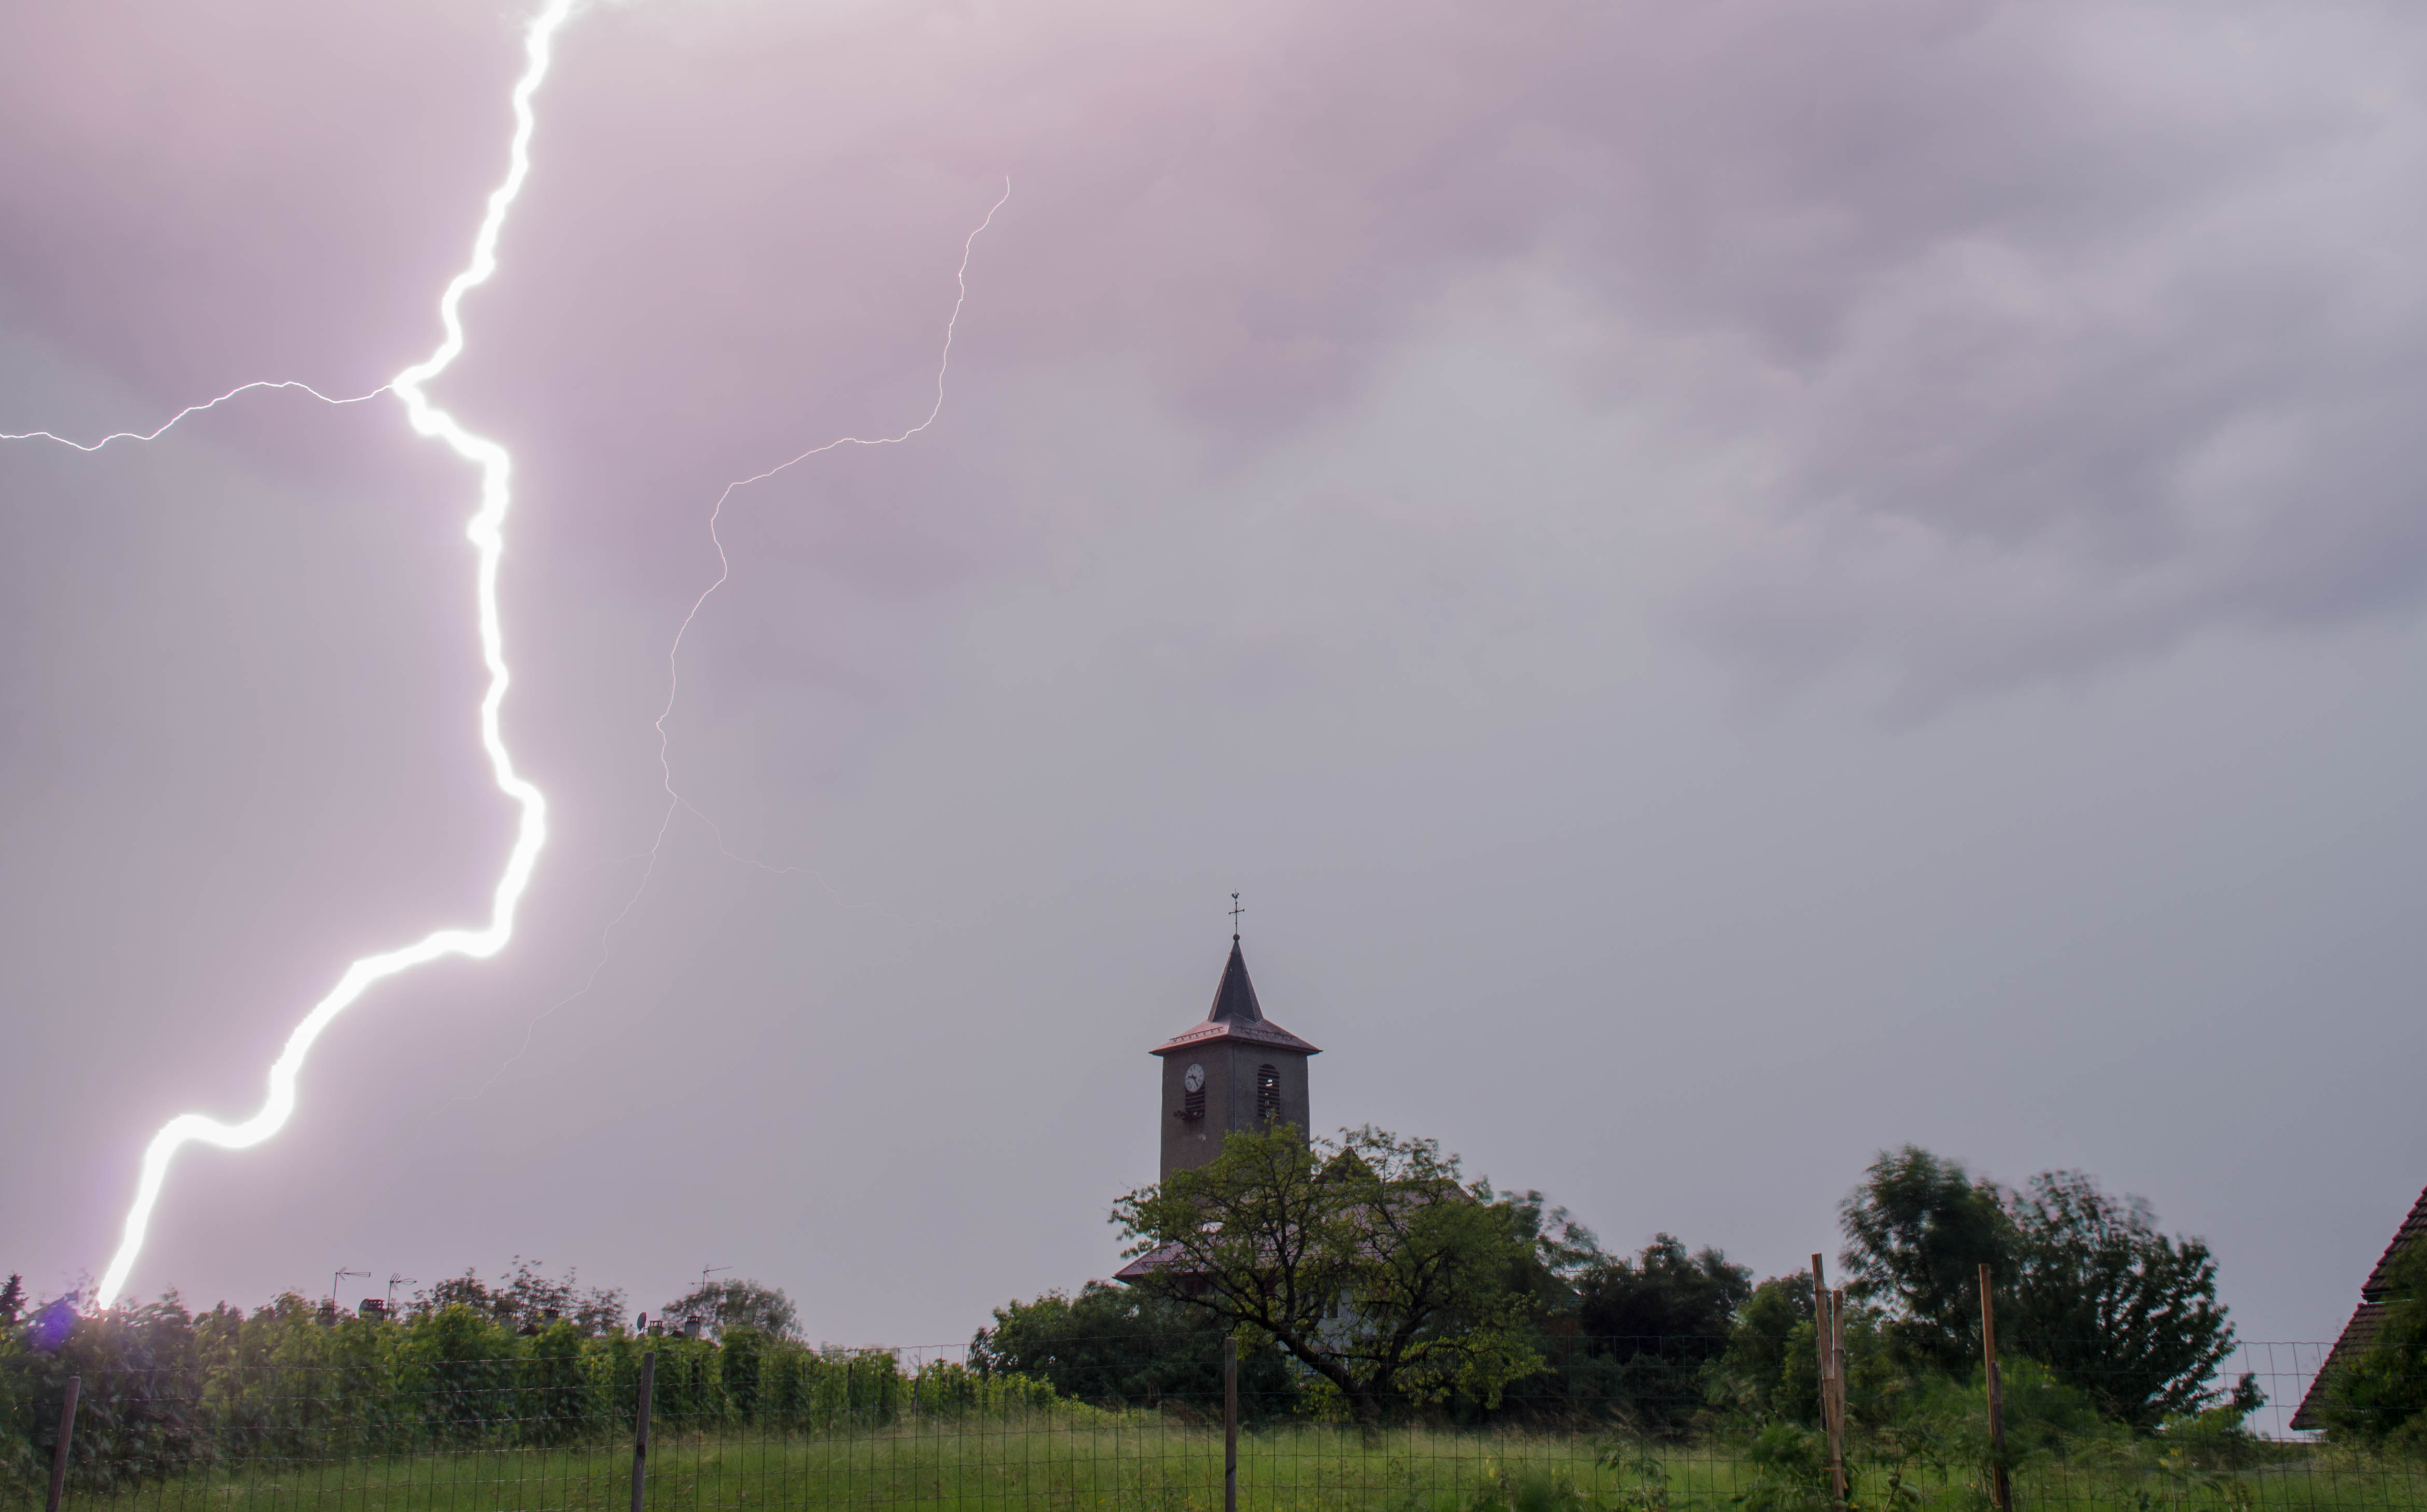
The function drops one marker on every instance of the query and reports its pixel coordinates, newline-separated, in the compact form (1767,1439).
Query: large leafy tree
(720,1306)
(1650,1322)
(2119,1311)
(1369,1258)
(2084,1282)
(1917,1230)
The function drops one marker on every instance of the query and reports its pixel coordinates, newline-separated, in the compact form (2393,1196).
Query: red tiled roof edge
(2375,1288)
(2355,1337)
(1262,1032)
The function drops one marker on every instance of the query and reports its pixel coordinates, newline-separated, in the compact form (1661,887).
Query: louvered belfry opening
(1268,1093)
(1192,1105)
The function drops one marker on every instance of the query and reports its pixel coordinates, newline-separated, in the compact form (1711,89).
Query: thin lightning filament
(487,532)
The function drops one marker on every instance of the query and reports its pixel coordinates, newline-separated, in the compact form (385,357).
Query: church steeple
(1237,1069)
(1234,1000)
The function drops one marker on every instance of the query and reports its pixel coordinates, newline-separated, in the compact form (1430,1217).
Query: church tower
(1237,1069)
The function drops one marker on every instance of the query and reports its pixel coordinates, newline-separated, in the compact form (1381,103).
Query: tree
(12,1300)
(1118,1346)
(1651,1323)
(1917,1230)
(1770,1369)
(2119,1311)
(745,1304)
(1369,1259)
(2084,1282)
(526,1301)
(2382,1392)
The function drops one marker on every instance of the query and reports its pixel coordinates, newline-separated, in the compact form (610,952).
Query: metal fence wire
(640,1425)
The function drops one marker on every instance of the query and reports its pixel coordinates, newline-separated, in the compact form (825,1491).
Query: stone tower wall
(1230,1095)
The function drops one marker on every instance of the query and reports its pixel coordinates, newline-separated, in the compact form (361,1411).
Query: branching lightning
(190,409)
(676,801)
(487,532)
(724,563)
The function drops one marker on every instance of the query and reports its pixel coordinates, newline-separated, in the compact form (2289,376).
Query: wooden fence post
(641,1429)
(1837,1384)
(60,1454)
(1829,1336)
(1230,1422)
(2001,1491)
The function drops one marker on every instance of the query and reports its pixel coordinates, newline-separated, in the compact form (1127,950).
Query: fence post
(1230,1422)
(59,1454)
(1837,1384)
(1826,1336)
(2001,1490)
(641,1430)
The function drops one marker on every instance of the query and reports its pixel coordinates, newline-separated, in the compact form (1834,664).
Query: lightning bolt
(724,563)
(676,801)
(162,428)
(487,533)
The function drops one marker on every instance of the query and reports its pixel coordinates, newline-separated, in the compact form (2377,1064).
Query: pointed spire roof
(1234,1000)
(1236,1015)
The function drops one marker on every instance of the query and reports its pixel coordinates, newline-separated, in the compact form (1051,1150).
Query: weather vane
(1235,912)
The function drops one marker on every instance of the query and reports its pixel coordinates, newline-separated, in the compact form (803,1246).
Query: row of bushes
(164,1390)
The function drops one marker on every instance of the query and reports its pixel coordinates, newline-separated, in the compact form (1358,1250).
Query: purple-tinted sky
(1734,584)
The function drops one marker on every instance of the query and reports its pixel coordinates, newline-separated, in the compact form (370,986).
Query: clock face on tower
(1193,1080)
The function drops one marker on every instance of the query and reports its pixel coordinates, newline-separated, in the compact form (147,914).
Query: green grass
(1082,1460)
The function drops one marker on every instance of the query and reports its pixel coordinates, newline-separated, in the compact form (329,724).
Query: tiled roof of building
(1159,1259)
(2373,1289)
(2357,1337)
(1236,1015)
(2371,1313)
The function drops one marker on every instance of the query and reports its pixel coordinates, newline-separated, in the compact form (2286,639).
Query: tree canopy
(1918,1229)
(1650,1324)
(1118,1346)
(527,1300)
(719,1306)
(2126,1314)
(1369,1258)
(2084,1282)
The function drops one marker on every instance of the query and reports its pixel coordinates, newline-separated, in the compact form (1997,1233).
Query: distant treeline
(165,1390)
(1366,1278)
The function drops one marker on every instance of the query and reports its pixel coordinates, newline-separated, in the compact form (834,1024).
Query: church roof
(1236,1016)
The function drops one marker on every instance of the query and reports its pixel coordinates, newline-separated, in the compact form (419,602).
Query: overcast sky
(1732,584)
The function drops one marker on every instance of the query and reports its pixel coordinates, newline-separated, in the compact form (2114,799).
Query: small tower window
(1268,1092)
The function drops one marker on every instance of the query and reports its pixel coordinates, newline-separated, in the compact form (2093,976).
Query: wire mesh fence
(1620,1425)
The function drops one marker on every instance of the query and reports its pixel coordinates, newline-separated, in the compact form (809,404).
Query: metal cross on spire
(1235,912)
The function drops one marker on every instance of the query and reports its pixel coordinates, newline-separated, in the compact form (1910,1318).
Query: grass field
(1084,1462)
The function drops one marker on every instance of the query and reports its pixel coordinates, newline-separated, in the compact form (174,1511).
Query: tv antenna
(395,1279)
(339,1280)
(706,1270)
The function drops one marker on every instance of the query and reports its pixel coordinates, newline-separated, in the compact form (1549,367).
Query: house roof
(1161,1258)
(2357,1335)
(2369,1316)
(1236,1016)
(2378,1283)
